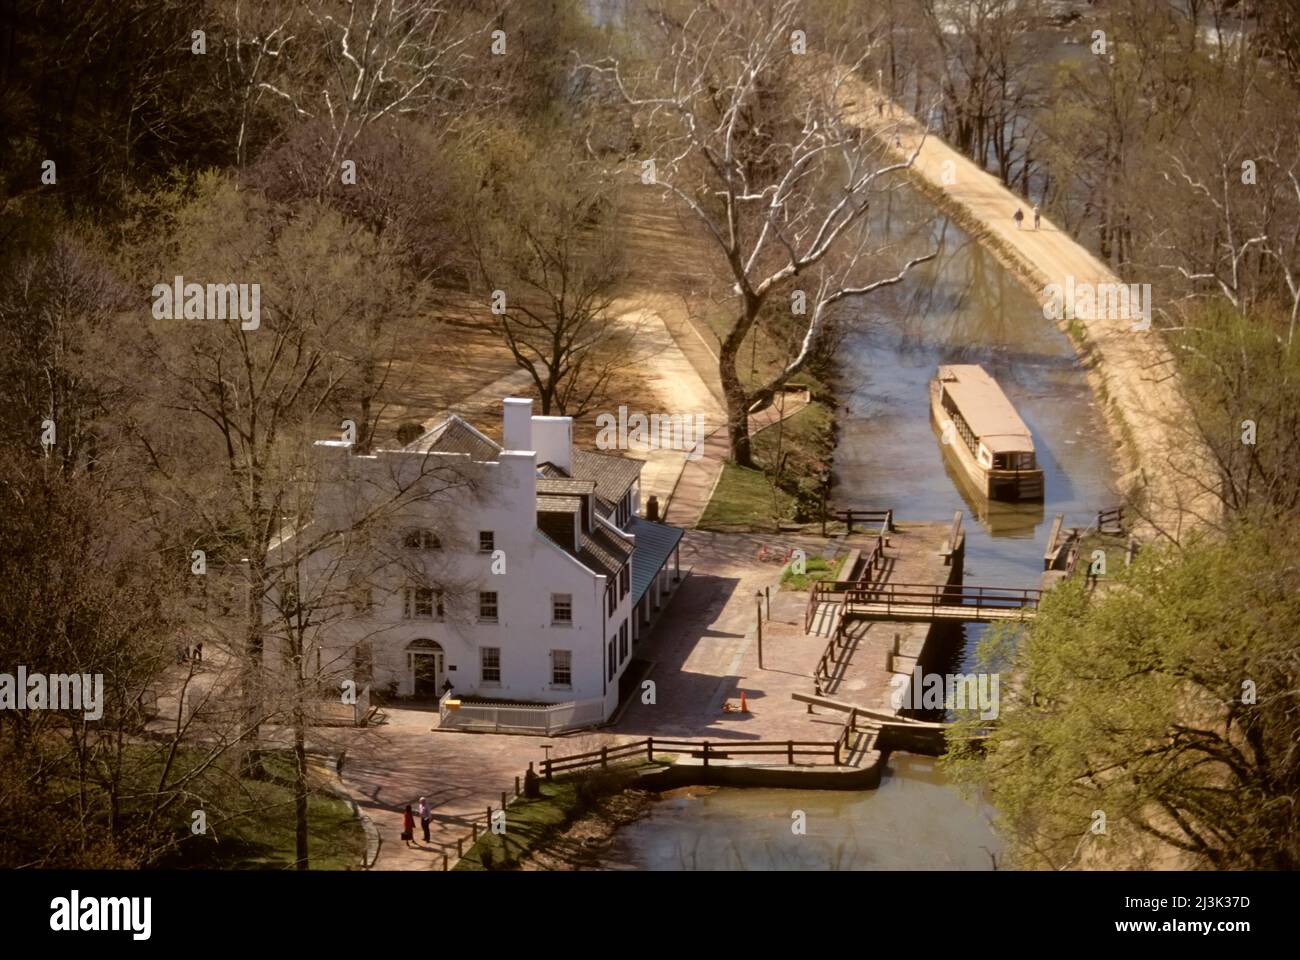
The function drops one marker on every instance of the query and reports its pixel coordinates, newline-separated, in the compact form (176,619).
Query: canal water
(961,307)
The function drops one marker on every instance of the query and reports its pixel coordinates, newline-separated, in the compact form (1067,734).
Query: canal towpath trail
(1170,478)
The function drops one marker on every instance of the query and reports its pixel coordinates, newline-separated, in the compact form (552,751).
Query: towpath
(1171,475)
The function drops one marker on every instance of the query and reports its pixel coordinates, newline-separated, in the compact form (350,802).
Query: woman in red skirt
(408,825)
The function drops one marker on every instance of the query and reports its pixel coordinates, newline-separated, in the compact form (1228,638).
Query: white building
(519,572)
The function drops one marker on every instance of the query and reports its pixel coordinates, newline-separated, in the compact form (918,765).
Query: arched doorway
(426,668)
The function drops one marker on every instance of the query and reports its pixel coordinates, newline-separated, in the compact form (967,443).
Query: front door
(426,668)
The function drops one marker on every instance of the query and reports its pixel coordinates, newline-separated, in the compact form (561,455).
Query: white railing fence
(518,717)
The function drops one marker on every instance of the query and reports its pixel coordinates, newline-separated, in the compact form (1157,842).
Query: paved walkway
(1134,371)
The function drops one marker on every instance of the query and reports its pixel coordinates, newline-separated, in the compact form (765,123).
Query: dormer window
(421,540)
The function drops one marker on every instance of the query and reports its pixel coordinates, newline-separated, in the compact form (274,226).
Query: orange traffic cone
(744,707)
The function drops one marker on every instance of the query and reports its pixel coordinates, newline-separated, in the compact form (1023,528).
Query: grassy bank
(536,825)
(793,455)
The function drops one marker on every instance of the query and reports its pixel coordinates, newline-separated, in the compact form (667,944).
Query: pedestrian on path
(1019,217)
(198,652)
(1037,216)
(426,814)
(408,826)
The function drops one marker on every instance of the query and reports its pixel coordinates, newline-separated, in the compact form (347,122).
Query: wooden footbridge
(856,600)
(935,601)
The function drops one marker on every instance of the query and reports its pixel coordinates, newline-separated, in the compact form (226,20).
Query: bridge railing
(980,598)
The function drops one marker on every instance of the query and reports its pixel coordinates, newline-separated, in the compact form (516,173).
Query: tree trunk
(251,674)
(300,778)
(737,406)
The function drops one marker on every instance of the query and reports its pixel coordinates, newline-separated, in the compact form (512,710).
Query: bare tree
(756,140)
(545,233)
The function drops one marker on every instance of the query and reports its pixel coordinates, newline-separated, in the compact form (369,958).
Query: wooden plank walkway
(884,610)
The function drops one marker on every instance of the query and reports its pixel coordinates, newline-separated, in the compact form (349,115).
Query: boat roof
(986,408)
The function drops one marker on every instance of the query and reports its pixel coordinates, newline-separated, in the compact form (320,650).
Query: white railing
(522,718)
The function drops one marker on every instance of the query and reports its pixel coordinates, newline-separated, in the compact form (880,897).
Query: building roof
(564,487)
(985,408)
(455,435)
(655,543)
(552,504)
(612,475)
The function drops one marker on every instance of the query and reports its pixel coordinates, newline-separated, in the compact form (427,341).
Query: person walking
(1019,217)
(1038,217)
(408,826)
(426,814)
(198,652)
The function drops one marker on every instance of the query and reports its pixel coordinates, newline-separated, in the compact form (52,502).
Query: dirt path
(1171,476)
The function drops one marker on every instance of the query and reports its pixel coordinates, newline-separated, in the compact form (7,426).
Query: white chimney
(517,424)
(553,441)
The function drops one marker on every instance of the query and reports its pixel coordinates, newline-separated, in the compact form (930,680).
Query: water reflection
(913,822)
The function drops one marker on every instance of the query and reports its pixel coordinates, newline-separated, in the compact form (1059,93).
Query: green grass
(250,823)
(745,497)
(815,569)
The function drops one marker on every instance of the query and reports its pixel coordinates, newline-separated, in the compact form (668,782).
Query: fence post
(473,833)
(503,802)
(789,750)
(767,595)
(516,785)
(650,749)
(706,753)
(547,764)
(460,847)
(445,866)
(837,751)
(604,757)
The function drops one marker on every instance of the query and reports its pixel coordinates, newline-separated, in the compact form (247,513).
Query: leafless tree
(757,141)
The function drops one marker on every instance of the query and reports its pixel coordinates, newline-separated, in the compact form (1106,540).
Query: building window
(610,600)
(562,609)
(609,659)
(421,540)
(422,603)
(487,541)
(487,605)
(622,642)
(490,663)
(562,668)
(624,581)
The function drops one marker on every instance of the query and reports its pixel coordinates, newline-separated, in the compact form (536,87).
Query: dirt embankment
(586,842)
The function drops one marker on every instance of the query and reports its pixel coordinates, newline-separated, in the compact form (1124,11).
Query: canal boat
(984,433)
